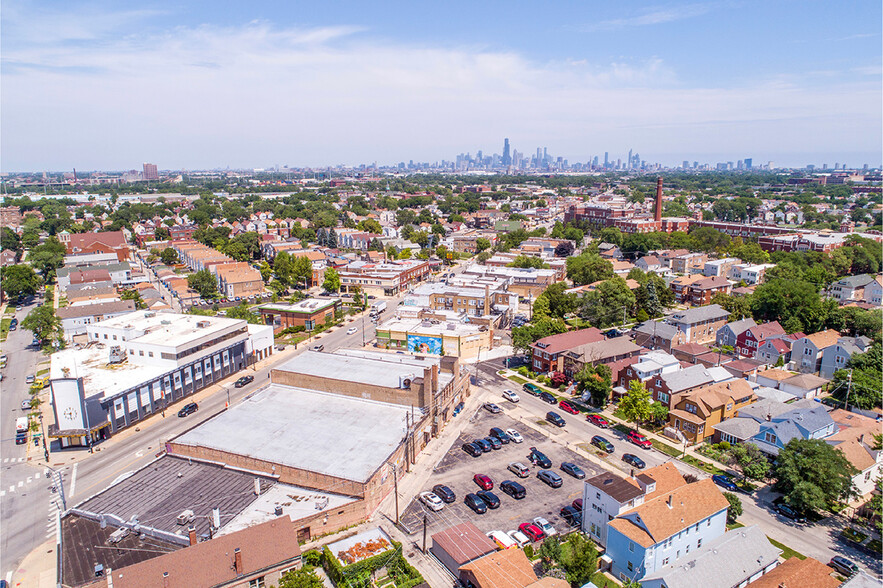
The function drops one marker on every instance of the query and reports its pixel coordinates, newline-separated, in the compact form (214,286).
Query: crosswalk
(52,517)
(22,483)
(13,460)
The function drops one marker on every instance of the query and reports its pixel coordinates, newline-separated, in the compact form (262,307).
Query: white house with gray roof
(746,424)
(850,287)
(837,356)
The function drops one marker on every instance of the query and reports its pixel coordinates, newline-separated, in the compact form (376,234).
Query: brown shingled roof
(463,542)
(508,568)
(797,572)
(824,339)
(569,340)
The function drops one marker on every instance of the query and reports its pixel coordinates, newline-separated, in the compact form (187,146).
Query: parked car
(26,405)
(598,421)
(555,418)
(639,440)
(490,499)
(571,516)
(495,443)
(547,397)
(485,446)
(513,489)
(789,513)
(634,461)
(577,504)
(446,494)
(492,408)
(602,443)
(500,434)
(188,409)
(458,408)
(352,331)
(567,407)
(511,396)
(573,469)
(243,381)
(475,503)
(483,481)
(502,540)
(725,482)
(515,436)
(30,379)
(531,530)
(520,538)
(21,437)
(843,565)
(519,469)
(545,526)
(431,501)
(472,449)
(539,458)
(550,478)
(531,389)
(317,348)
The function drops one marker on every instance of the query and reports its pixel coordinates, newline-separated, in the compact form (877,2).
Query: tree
(749,460)
(608,304)
(283,267)
(734,511)
(161,234)
(242,312)
(864,386)
(369,225)
(304,577)
(47,257)
(135,296)
(541,308)
(597,382)
(739,307)
(564,249)
(781,299)
(19,280)
(169,256)
(635,405)
(550,551)
(658,413)
(481,244)
(43,323)
(9,239)
(528,261)
(811,474)
(302,269)
(581,561)
(588,268)
(205,283)
(332,280)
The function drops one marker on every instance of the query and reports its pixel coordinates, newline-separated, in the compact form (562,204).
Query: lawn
(667,449)
(787,552)
(875,546)
(731,526)
(10,309)
(702,465)
(4,328)
(517,379)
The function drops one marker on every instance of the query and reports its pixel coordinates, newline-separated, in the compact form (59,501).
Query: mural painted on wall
(424,344)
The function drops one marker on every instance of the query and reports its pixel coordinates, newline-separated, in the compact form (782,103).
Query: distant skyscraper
(686,164)
(507,158)
(149,172)
(606,158)
(629,164)
(748,163)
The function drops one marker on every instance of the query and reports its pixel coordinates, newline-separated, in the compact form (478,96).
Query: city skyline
(93,86)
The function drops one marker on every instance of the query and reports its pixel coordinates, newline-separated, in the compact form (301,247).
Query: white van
(502,540)
(21,424)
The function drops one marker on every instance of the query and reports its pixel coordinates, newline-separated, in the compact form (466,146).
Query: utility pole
(395,480)
(848,389)
(424,533)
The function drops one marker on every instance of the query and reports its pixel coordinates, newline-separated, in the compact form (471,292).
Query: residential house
(507,568)
(855,440)
(666,255)
(729,333)
(599,352)
(660,531)
(850,287)
(659,335)
(681,285)
(743,368)
(795,572)
(689,351)
(806,352)
(803,385)
(649,365)
(874,291)
(695,412)
(689,263)
(749,273)
(547,354)
(720,267)
(106,242)
(74,319)
(238,280)
(753,337)
(835,357)
(729,561)
(800,423)
(666,387)
(773,350)
(8,257)
(745,425)
(700,324)
(649,263)
(703,290)
(459,545)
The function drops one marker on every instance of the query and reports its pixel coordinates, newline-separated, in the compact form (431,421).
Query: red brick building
(547,354)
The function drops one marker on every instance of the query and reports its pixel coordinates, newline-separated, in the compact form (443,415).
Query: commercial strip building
(382,279)
(525,282)
(424,336)
(307,313)
(140,362)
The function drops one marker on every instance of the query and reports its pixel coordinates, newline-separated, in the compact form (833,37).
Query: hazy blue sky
(108,85)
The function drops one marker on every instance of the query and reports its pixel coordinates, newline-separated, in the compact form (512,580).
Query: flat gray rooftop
(375,369)
(339,436)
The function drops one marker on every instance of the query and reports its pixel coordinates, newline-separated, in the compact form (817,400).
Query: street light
(43,431)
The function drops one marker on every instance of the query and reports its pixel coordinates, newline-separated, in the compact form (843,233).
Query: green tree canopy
(735,509)
(169,256)
(43,323)
(812,474)
(19,280)
(528,261)
(332,280)
(205,283)
(588,268)
(635,406)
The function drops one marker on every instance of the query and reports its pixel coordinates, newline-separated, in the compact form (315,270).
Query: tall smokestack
(657,216)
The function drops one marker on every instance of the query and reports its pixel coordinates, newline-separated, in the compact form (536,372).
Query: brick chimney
(192,534)
(657,216)
(237,561)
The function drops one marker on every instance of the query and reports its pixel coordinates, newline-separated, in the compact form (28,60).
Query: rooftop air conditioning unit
(202,324)
(185,517)
(118,535)
(149,314)
(405,381)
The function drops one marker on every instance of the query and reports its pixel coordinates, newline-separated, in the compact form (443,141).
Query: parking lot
(457,468)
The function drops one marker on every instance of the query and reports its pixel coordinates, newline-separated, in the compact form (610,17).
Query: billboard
(424,344)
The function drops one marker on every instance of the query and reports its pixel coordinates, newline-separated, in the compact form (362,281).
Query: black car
(602,443)
(244,380)
(548,397)
(500,435)
(485,446)
(539,458)
(21,438)
(555,418)
(472,449)
(475,503)
(446,494)
(550,478)
(634,460)
(789,513)
(571,516)
(490,499)
(513,489)
(495,443)
(573,469)
(188,409)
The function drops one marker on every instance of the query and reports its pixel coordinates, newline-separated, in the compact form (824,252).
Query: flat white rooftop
(308,306)
(375,369)
(331,434)
(99,376)
(167,328)
(423,327)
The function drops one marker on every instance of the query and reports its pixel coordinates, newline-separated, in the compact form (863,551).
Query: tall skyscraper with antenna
(507,158)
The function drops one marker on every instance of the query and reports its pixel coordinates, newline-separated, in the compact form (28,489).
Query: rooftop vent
(118,535)
(185,517)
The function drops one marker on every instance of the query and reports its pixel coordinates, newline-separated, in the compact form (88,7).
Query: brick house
(700,324)
(547,354)
(752,338)
(702,291)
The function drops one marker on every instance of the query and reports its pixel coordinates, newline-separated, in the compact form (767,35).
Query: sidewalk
(37,570)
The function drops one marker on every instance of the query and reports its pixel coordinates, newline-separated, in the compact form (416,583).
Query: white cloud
(257,95)
(653,16)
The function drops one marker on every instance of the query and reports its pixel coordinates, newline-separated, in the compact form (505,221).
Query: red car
(532,531)
(567,407)
(639,440)
(483,481)
(577,504)
(598,421)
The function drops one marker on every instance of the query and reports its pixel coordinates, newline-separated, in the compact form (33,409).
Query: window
(730,406)
(257,583)
(665,561)
(631,547)
(688,548)
(630,566)
(141,352)
(699,544)
(691,408)
(770,438)
(708,523)
(663,397)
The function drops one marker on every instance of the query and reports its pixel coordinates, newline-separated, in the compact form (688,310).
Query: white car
(515,436)
(510,396)
(546,526)
(431,501)
(351,331)
(519,538)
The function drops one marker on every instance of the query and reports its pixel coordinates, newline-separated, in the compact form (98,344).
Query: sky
(216,84)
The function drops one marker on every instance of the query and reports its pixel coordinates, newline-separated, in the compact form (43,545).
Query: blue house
(666,528)
(801,423)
